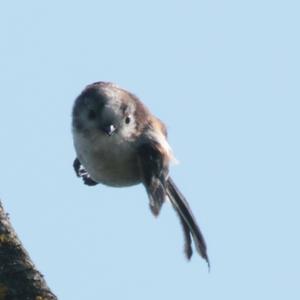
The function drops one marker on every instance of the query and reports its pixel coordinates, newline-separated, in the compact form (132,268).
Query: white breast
(108,159)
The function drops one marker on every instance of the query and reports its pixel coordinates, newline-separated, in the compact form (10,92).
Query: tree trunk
(19,279)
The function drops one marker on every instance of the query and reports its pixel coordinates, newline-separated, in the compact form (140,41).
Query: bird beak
(109,129)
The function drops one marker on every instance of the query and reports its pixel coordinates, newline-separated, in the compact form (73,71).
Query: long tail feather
(188,250)
(188,221)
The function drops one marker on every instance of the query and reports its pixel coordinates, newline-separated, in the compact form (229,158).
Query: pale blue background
(224,76)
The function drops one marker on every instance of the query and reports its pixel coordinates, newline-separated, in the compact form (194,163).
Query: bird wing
(154,171)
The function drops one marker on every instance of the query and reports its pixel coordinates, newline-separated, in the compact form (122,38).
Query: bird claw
(82,172)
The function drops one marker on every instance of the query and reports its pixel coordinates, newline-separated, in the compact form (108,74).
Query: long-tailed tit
(119,143)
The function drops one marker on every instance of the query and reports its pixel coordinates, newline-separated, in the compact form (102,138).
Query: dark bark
(19,279)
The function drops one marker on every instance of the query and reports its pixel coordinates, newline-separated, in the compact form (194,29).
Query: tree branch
(19,279)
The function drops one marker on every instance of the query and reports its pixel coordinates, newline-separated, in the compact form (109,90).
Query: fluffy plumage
(119,143)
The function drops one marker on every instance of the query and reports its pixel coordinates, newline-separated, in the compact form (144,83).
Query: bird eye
(127,120)
(92,115)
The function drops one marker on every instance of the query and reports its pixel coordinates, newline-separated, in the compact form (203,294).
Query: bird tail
(188,222)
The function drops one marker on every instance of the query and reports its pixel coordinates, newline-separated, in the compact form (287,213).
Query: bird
(120,143)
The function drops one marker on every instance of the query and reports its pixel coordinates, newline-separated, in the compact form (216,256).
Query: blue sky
(224,77)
